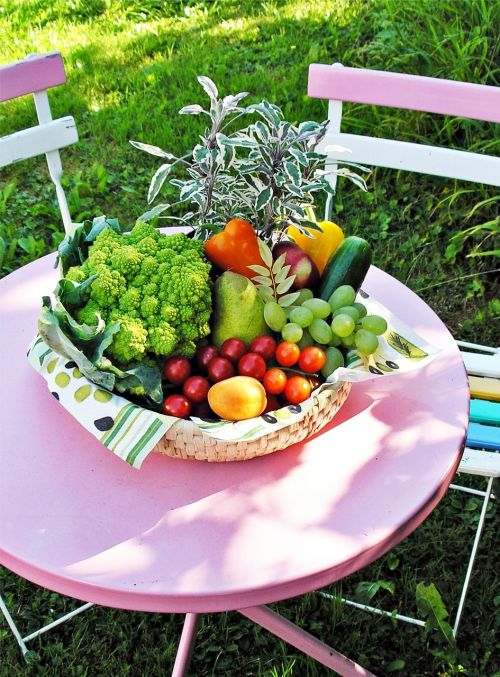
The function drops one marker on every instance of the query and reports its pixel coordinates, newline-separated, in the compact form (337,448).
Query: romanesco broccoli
(157,286)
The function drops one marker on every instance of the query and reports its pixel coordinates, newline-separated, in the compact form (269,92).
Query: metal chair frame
(339,84)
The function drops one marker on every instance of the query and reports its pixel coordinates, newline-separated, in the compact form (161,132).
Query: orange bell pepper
(235,248)
(321,245)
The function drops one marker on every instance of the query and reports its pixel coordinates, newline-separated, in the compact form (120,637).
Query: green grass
(131,66)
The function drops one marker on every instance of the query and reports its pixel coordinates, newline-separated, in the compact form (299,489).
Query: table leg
(186,645)
(302,640)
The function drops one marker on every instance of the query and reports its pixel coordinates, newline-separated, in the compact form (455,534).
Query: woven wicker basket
(185,440)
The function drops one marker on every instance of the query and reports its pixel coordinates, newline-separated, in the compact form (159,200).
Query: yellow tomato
(237,398)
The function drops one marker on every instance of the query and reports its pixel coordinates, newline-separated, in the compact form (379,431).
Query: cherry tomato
(177,405)
(204,356)
(176,370)
(252,365)
(233,349)
(287,353)
(274,381)
(312,359)
(263,345)
(196,389)
(203,410)
(219,369)
(272,404)
(297,389)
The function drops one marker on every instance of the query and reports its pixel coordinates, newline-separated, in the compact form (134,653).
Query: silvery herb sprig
(268,172)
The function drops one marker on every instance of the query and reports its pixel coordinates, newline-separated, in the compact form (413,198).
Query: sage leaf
(158,180)
(153,213)
(263,198)
(209,87)
(152,150)
(194,109)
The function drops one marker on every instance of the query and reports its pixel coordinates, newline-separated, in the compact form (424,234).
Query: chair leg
(186,645)
(473,555)
(13,627)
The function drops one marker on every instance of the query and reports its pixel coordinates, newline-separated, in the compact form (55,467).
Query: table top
(183,536)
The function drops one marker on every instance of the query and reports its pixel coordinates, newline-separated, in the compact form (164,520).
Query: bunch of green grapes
(339,322)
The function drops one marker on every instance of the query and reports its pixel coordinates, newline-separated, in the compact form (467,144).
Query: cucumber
(348,264)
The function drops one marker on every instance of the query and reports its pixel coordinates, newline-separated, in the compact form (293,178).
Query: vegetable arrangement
(250,311)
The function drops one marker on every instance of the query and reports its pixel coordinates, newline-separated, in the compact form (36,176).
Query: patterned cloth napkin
(131,432)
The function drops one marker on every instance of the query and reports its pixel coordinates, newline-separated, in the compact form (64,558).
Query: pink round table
(191,537)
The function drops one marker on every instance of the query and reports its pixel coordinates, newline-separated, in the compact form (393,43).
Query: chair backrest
(338,83)
(34,75)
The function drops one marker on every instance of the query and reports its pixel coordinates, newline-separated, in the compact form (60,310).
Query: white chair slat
(480,462)
(38,140)
(412,157)
(482,365)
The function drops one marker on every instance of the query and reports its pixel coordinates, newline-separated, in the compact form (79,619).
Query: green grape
(288,311)
(292,332)
(306,340)
(320,331)
(365,341)
(301,316)
(375,324)
(335,340)
(275,316)
(342,296)
(360,308)
(334,360)
(348,310)
(348,341)
(343,325)
(304,295)
(318,307)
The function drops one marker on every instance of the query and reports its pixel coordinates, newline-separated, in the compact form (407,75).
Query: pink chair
(34,75)
(337,84)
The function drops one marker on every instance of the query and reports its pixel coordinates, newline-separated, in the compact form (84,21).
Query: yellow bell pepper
(320,246)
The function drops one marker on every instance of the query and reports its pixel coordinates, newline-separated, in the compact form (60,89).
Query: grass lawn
(131,65)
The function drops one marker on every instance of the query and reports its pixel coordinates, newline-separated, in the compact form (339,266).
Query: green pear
(238,310)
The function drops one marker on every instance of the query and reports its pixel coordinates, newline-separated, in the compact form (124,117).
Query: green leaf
(293,172)
(266,293)
(282,274)
(263,198)
(278,264)
(158,180)
(299,156)
(259,269)
(265,252)
(395,665)
(260,279)
(431,606)
(366,590)
(285,285)
(288,299)
(73,249)
(72,294)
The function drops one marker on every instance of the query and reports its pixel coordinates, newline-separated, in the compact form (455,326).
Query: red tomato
(233,349)
(312,359)
(287,353)
(297,389)
(176,370)
(263,345)
(252,365)
(204,356)
(177,405)
(196,389)
(220,369)
(274,381)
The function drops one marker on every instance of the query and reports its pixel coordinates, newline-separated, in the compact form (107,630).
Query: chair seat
(480,462)
(482,365)
(481,436)
(483,411)
(485,388)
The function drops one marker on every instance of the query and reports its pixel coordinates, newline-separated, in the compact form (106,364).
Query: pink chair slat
(33,74)
(398,90)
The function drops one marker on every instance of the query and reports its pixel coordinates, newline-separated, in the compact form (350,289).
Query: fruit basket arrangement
(237,330)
